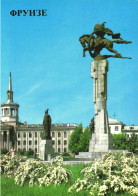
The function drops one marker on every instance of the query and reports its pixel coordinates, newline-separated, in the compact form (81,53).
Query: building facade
(29,136)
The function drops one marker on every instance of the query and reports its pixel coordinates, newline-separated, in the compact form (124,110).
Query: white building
(115,126)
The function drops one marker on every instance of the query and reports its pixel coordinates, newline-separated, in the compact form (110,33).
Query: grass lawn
(9,188)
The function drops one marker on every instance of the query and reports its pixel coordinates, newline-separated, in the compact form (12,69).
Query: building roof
(113,121)
(4,126)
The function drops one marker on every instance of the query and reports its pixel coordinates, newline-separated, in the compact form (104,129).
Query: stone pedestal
(101,141)
(46,150)
(101,138)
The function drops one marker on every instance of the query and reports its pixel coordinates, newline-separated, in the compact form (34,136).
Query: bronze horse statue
(95,44)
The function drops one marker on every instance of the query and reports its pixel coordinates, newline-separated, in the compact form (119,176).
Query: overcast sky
(44,56)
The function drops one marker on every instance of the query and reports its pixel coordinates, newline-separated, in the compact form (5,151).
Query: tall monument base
(46,150)
(101,141)
(101,138)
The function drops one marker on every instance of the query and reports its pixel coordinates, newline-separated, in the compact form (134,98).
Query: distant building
(115,126)
(130,129)
(28,135)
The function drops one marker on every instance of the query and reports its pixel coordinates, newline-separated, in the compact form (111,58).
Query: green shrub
(120,141)
(74,139)
(79,140)
(30,152)
(21,152)
(65,154)
(4,151)
(84,140)
(133,143)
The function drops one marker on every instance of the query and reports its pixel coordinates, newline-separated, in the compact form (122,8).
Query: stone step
(89,155)
(78,159)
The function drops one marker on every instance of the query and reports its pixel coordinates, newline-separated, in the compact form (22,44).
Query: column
(21,136)
(9,112)
(7,140)
(26,140)
(33,143)
(62,141)
(2,142)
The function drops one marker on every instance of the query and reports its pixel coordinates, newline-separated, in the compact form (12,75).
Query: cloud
(33,88)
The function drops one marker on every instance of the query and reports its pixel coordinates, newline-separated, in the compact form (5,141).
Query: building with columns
(28,135)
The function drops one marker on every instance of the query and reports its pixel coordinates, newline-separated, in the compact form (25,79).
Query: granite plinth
(101,138)
(46,150)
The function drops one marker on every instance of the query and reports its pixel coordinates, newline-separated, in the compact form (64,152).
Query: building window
(59,134)
(35,134)
(12,112)
(24,142)
(58,149)
(6,111)
(53,142)
(59,142)
(35,149)
(30,142)
(116,128)
(65,133)
(19,143)
(35,142)
(65,142)
(30,134)
(53,134)
(65,149)
(19,135)
(24,135)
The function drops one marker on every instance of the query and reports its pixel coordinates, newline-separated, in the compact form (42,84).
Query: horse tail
(121,42)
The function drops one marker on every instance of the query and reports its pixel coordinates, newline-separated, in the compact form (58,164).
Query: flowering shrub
(57,161)
(30,171)
(115,172)
(9,165)
(42,173)
(56,175)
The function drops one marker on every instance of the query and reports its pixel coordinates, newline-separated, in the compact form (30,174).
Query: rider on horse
(95,44)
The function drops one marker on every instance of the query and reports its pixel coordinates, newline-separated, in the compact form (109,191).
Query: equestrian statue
(95,42)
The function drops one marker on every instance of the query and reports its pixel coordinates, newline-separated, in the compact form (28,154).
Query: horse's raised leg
(114,51)
(84,52)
